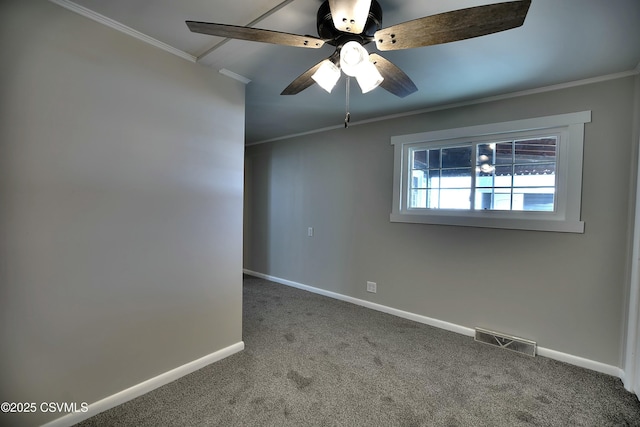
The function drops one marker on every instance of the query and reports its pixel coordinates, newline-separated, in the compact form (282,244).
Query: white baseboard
(145,387)
(581,361)
(542,351)
(378,307)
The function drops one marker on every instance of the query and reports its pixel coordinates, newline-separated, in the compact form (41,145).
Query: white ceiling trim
(234,76)
(87,13)
(560,86)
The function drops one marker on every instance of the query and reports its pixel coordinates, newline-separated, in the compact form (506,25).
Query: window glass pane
(504,176)
(434,178)
(485,169)
(534,181)
(493,199)
(484,153)
(503,180)
(535,175)
(502,201)
(523,174)
(418,199)
(418,179)
(484,180)
(456,178)
(533,199)
(421,199)
(505,170)
(535,169)
(483,200)
(504,152)
(434,158)
(433,201)
(484,160)
(536,150)
(538,202)
(509,175)
(455,199)
(456,157)
(420,159)
(494,153)
(500,176)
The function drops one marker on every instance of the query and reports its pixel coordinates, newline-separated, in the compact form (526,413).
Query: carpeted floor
(314,361)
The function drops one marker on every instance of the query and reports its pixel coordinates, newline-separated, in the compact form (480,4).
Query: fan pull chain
(347,117)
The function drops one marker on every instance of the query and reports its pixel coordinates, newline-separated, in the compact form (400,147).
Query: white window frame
(569,128)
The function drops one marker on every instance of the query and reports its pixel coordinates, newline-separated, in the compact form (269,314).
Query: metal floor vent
(519,345)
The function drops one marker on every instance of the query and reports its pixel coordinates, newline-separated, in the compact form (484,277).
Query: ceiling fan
(349,25)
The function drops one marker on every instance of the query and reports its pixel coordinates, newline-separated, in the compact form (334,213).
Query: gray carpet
(314,361)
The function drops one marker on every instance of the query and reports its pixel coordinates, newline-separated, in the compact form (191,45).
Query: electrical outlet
(372,287)
(310,231)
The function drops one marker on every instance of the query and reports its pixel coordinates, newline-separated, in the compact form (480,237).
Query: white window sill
(562,226)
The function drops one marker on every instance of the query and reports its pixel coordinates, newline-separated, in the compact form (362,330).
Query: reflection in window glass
(456,157)
(434,159)
(420,159)
(535,150)
(517,175)
(441,178)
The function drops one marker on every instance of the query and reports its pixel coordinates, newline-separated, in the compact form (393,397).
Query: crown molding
(88,13)
(234,76)
(543,89)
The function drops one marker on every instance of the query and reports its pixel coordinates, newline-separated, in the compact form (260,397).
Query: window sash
(568,174)
(429,168)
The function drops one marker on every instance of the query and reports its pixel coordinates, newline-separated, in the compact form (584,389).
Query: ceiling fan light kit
(368,76)
(349,25)
(352,56)
(327,75)
(354,62)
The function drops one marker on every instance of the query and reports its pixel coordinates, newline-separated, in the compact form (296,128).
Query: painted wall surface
(565,291)
(121,180)
(631,360)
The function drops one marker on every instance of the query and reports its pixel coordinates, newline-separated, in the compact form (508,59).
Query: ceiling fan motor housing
(328,32)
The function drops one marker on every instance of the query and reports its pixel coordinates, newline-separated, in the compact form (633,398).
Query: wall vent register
(508,342)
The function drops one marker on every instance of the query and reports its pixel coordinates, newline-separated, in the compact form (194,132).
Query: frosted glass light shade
(368,77)
(354,61)
(327,75)
(352,55)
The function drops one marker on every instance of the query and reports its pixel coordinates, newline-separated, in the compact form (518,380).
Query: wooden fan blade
(350,16)
(452,26)
(254,34)
(395,80)
(304,80)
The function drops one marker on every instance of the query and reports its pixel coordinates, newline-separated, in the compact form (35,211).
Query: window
(525,174)
(513,175)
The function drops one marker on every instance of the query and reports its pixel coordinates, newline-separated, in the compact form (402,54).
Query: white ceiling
(561,41)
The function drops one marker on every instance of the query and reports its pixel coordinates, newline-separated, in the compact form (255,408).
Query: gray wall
(566,291)
(121,171)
